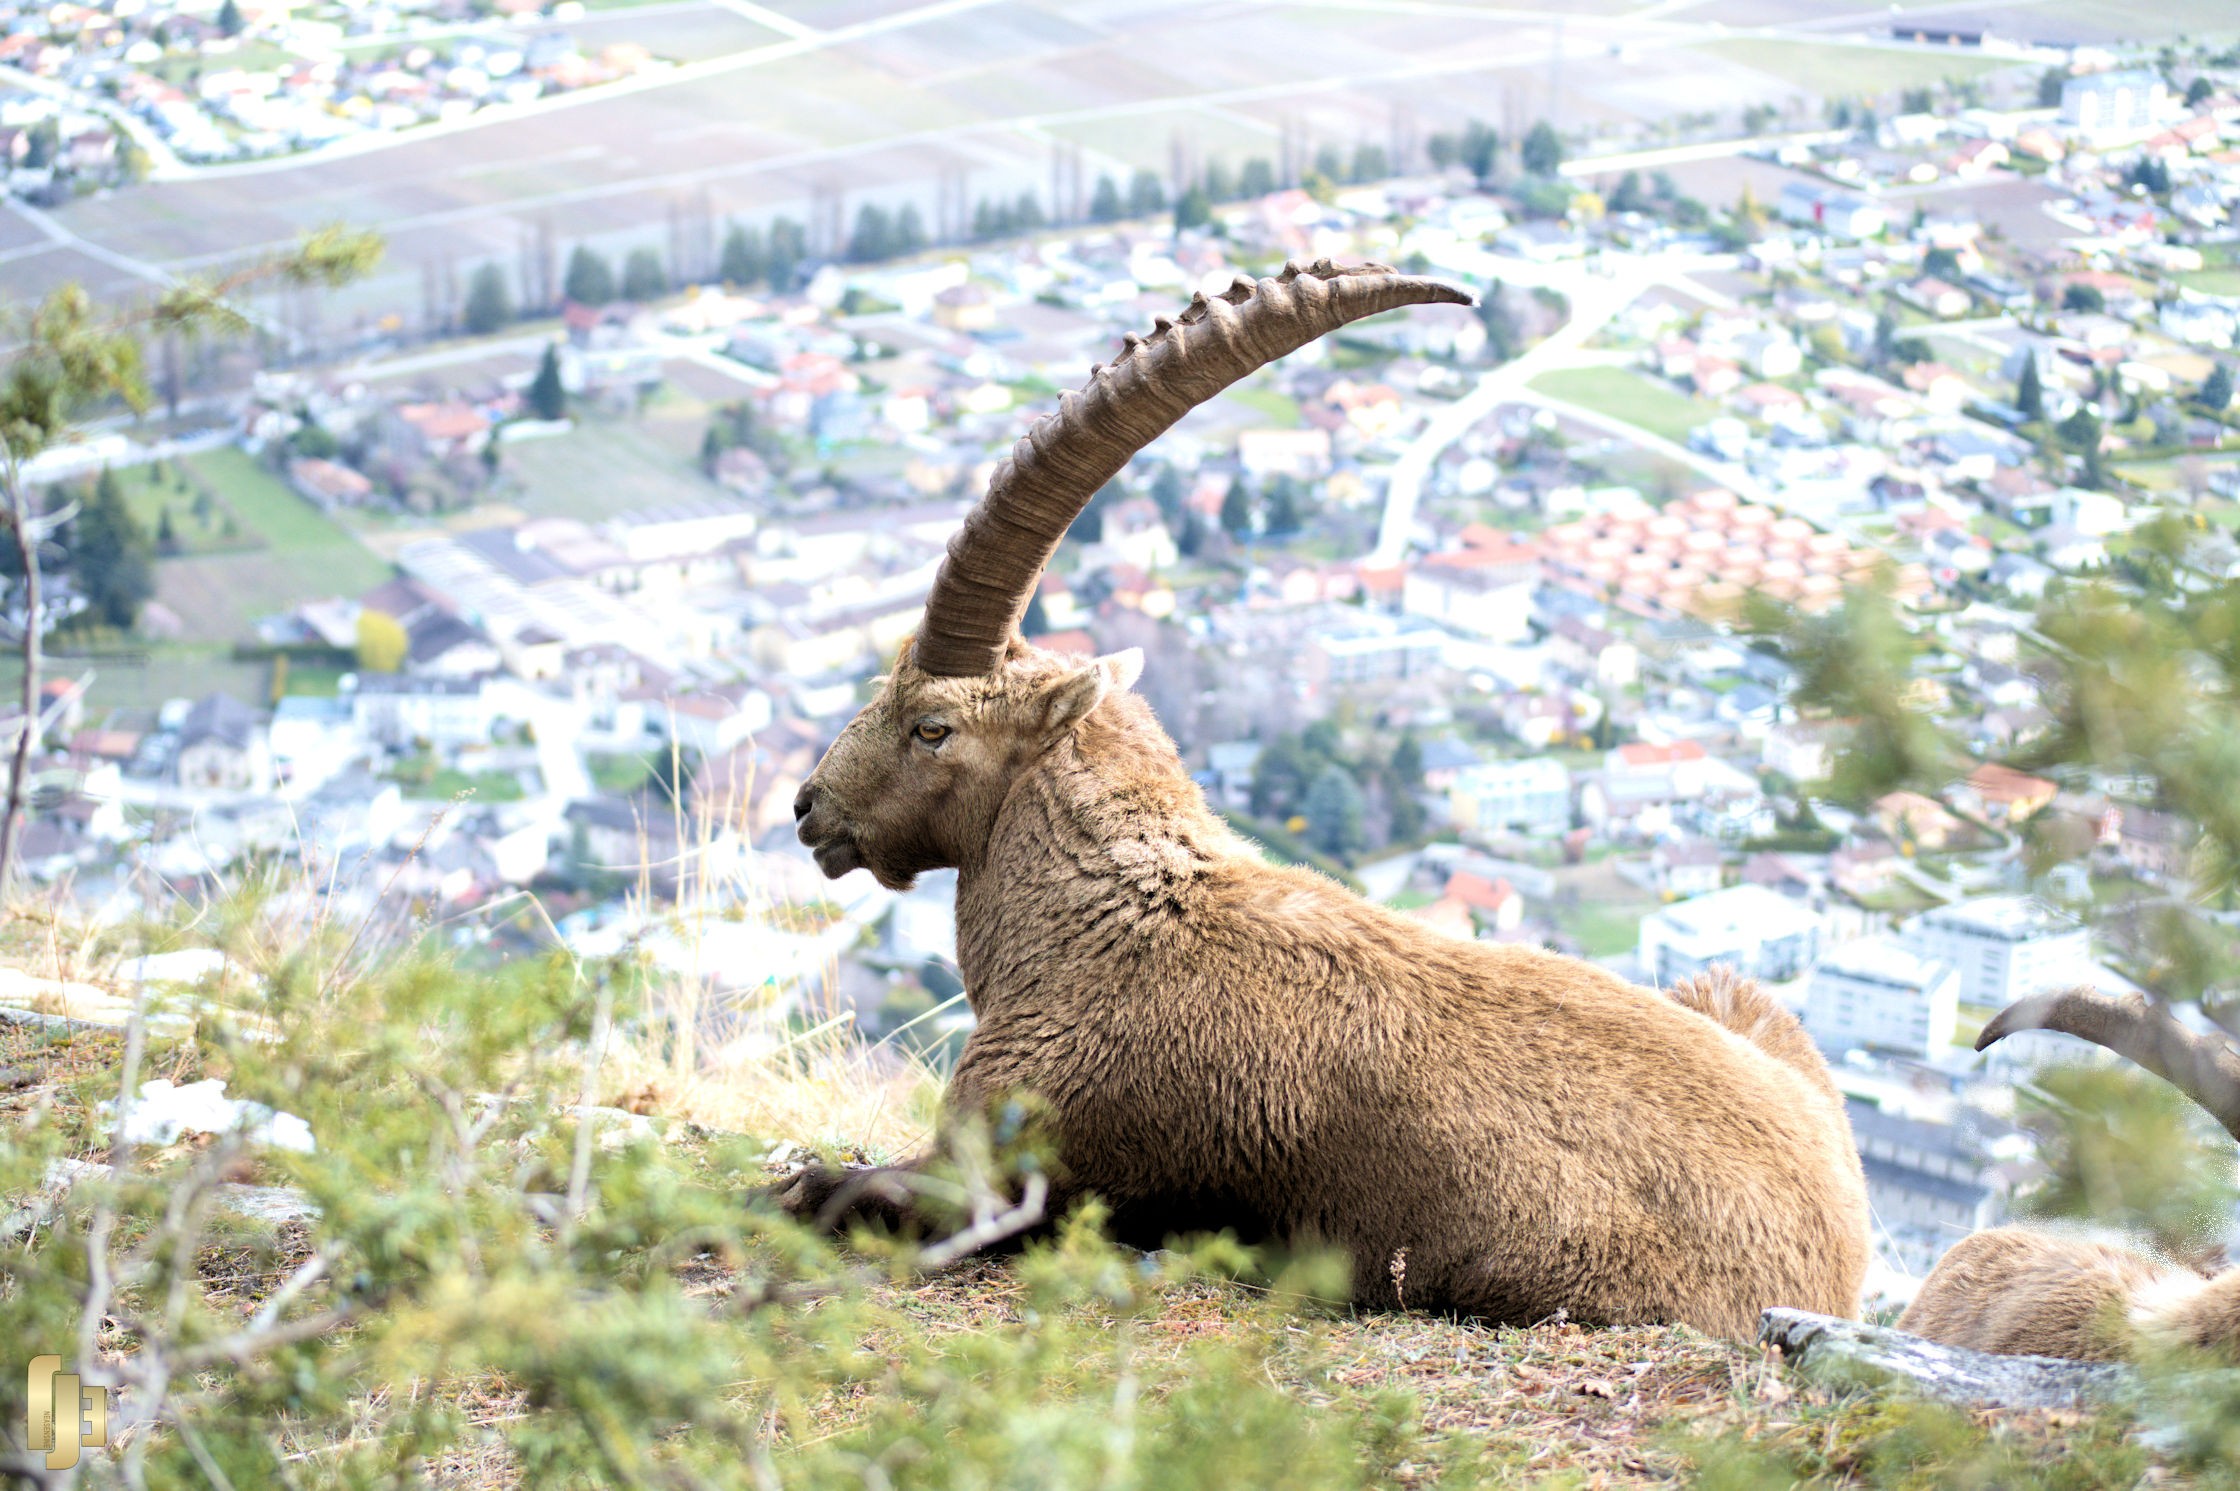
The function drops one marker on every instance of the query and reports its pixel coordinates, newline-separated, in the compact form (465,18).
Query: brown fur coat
(1225,1043)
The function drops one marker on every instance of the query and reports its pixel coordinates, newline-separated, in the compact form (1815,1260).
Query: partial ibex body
(1223,1043)
(2024,1291)
(2034,1292)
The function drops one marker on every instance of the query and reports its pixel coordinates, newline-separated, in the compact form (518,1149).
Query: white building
(1749,928)
(2004,947)
(1832,210)
(2114,102)
(1493,604)
(1533,794)
(398,709)
(1875,993)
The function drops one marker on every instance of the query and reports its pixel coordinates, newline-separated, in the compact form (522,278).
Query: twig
(99,1284)
(989,1229)
(314,1269)
(25,532)
(579,1170)
(242,1345)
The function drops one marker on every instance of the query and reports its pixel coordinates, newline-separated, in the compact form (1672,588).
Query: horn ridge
(994,560)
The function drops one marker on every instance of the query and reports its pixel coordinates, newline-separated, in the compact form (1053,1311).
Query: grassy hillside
(490,1295)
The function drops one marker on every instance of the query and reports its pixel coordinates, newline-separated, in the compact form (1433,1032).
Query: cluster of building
(195,82)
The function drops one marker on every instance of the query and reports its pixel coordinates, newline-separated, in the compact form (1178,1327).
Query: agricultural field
(604,468)
(1831,71)
(1627,395)
(832,103)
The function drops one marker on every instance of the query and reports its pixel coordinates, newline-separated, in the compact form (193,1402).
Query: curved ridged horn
(983,586)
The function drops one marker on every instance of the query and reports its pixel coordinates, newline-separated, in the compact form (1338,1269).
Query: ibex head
(914,782)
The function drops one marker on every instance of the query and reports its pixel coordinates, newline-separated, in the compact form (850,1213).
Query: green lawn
(1620,392)
(146,679)
(619,773)
(301,555)
(1278,408)
(421,777)
(1604,929)
(200,522)
(2212,281)
(312,680)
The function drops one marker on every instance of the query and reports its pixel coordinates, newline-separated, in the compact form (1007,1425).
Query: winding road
(1597,292)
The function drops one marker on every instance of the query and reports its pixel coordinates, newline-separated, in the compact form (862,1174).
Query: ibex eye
(932,734)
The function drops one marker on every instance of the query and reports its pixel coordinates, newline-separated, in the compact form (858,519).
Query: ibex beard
(1217,1042)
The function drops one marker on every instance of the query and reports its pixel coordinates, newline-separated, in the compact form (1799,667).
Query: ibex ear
(1073,696)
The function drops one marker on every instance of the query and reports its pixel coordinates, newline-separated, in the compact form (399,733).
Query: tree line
(774,257)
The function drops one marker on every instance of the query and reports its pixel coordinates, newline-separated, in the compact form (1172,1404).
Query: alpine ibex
(2027,1291)
(1218,1042)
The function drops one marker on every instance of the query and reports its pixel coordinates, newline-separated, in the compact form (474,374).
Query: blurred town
(562,610)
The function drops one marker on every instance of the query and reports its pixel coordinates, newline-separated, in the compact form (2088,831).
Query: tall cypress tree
(547,398)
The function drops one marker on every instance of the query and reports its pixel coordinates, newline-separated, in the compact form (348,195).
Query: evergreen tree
(1219,184)
(2199,91)
(2029,391)
(1167,493)
(873,238)
(230,19)
(1407,762)
(789,245)
(1280,777)
(643,277)
(1443,149)
(1335,811)
(1192,210)
(167,537)
(1502,335)
(1542,151)
(1104,203)
(1329,165)
(489,303)
(1258,178)
(1481,148)
(109,555)
(743,263)
(1627,195)
(1236,510)
(1369,163)
(2083,298)
(1145,195)
(1026,214)
(909,231)
(2216,389)
(546,397)
(590,278)
(1283,506)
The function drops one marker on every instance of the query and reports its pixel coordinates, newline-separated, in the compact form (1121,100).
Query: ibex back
(1219,1042)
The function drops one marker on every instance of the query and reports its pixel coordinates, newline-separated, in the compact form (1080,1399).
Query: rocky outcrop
(1823,1344)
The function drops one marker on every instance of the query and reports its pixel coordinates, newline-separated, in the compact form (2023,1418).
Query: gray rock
(1823,1344)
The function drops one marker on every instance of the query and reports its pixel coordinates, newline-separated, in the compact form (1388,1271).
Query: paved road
(1596,294)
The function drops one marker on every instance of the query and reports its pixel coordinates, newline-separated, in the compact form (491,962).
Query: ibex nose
(804,800)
